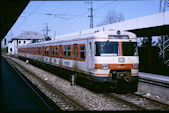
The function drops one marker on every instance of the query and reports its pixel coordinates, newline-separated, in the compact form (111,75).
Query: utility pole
(163,5)
(91,15)
(46,29)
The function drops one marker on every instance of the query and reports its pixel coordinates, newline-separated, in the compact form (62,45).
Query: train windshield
(107,48)
(129,48)
(112,49)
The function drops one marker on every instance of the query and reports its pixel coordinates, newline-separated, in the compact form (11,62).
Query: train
(107,57)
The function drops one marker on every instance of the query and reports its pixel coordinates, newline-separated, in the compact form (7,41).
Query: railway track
(135,101)
(139,102)
(62,99)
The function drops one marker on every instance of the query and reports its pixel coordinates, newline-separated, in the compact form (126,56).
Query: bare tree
(112,17)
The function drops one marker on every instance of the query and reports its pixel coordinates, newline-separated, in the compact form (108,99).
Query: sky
(71,16)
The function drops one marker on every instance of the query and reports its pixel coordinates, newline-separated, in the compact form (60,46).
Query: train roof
(83,35)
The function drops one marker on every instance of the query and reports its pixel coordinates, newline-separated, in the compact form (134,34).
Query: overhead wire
(74,16)
(85,13)
(109,3)
(61,4)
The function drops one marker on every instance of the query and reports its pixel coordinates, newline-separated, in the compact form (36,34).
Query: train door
(90,55)
(75,46)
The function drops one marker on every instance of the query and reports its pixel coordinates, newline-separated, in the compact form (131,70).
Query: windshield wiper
(102,46)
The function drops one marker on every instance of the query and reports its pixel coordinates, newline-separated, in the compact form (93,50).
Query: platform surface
(16,95)
(156,77)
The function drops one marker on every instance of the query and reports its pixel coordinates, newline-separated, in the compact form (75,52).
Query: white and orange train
(109,57)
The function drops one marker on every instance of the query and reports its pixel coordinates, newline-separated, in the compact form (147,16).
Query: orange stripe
(116,66)
(120,47)
(134,74)
(99,74)
(98,66)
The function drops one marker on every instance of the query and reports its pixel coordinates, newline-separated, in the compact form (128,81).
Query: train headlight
(135,66)
(105,66)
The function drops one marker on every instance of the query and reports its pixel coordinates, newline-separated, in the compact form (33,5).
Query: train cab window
(129,49)
(107,48)
(82,51)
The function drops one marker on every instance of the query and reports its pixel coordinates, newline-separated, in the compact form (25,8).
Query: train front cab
(116,65)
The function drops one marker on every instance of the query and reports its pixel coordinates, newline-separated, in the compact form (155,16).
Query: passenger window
(69,51)
(60,50)
(39,50)
(65,48)
(46,51)
(34,51)
(82,51)
(30,50)
(55,51)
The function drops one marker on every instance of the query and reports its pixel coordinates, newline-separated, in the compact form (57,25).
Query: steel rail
(139,107)
(126,102)
(69,99)
(155,101)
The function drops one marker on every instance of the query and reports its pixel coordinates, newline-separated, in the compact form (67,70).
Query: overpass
(152,25)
